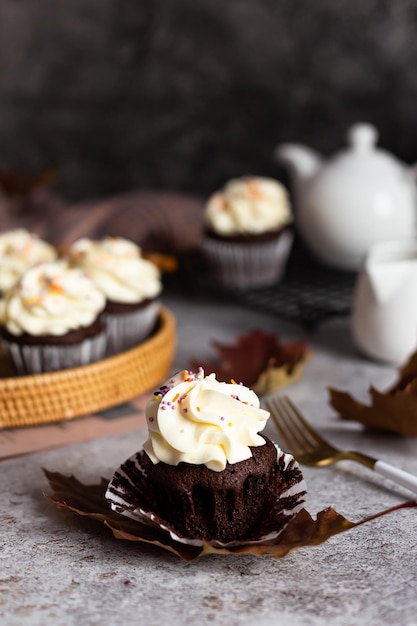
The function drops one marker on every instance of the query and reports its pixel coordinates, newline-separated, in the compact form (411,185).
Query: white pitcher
(384,313)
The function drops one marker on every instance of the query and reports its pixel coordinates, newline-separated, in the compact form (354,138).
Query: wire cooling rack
(308,294)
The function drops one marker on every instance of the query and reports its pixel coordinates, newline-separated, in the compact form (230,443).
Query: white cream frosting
(50,299)
(249,205)
(197,419)
(19,250)
(118,269)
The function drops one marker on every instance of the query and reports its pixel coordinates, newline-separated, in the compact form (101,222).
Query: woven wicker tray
(67,394)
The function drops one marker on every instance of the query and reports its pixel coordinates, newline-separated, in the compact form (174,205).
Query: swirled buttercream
(197,419)
(50,299)
(118,269)
(19,250)
(248,205)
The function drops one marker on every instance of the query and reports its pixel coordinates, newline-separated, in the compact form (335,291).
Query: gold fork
(310,448)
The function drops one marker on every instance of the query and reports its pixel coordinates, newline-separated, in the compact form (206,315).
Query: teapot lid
(362,153)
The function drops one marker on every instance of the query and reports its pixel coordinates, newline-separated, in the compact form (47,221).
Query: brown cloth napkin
(168,222)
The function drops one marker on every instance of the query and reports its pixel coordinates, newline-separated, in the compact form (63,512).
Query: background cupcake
(19,250)
(247,237)
(130,284)
(51,320)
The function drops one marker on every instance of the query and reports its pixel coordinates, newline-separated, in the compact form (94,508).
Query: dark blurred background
(183,94)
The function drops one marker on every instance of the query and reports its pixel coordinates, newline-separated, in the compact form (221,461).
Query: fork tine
(295,436)
(306,426)
(285,432)
(299,437)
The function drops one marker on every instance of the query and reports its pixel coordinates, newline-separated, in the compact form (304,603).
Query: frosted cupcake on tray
(19,250)
(51,320)
(130,284)
(247,238)
(205,473)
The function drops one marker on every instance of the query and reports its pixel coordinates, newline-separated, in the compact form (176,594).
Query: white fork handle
(397,475)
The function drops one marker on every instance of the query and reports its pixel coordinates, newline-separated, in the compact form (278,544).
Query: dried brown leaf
(18,184)
(393,411)
(301,531)
(259,360)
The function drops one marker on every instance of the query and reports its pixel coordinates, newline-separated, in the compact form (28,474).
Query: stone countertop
(56,568)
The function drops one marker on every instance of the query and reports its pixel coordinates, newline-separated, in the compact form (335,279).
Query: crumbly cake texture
(246,501)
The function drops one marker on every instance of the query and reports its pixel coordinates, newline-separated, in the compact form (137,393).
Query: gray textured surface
(181,94)
(56,569)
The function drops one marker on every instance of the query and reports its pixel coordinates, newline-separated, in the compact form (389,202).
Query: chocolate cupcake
(130,284)
(51,320)
(205,472)
(247,236)
(19,250)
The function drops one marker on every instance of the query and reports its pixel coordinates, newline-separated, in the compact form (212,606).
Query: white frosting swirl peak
(199,420)
(249,205)
(50,299)
(118,269)
(19,250)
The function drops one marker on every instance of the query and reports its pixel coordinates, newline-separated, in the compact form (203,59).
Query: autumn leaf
(259,360)
(17,184)
(166,263)
(393,411)
(301,531)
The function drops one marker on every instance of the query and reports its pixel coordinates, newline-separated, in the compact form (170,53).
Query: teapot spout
(302,162)
(413,172)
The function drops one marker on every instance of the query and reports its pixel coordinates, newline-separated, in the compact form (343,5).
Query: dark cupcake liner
(122,497)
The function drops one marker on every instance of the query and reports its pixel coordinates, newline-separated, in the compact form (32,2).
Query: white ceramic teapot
(384,313)
(360,196)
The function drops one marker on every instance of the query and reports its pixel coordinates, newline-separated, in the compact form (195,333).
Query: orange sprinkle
(198,408)
(254,190)
(175,398)
(185,375)
(232,380)
(56,287)
(224,205)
